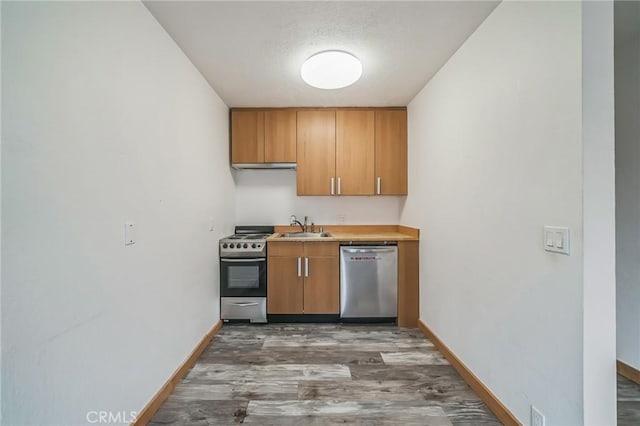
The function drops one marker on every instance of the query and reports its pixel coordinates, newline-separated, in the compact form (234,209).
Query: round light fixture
(331,69)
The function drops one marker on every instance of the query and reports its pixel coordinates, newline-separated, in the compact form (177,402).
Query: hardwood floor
(318,374)
(628,402)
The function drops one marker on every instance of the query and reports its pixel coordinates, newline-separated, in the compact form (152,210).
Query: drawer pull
(245,304)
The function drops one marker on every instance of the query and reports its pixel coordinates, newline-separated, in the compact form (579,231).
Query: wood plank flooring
(628,402)
(321,374)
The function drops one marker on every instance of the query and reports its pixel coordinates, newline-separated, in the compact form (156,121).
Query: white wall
(269,196)
(627,98)
(105,121)
(0,215)
(599,231)
(495,154)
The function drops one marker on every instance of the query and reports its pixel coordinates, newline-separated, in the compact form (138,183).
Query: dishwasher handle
(385,249)
(369,244)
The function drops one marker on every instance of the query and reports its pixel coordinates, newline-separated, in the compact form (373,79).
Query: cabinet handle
(332,186)
(245,304)
(378,190)
(299,267)
(245,260)
(339,186)
(306,266)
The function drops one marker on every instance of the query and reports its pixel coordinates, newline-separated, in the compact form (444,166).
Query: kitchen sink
(305,235)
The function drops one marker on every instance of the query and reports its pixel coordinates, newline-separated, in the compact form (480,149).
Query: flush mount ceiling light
(331,69)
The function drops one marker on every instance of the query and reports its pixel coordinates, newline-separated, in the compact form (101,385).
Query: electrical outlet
(537,418)
(341,218)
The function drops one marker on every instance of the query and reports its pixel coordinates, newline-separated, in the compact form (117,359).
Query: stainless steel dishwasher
(369,282)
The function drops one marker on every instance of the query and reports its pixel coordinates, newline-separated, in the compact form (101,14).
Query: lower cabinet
(303,278)
(408,283)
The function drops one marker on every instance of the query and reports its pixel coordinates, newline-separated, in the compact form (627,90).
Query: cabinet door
(316,152)
(284,286)
(355,152)
(391,152)
(322,285)
(322,278)
(280,136)
(247,137)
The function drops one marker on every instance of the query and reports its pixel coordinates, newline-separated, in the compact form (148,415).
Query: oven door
(243,277)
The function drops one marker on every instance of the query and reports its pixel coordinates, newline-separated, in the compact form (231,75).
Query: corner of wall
(627,134)
(599,274)
(1,345)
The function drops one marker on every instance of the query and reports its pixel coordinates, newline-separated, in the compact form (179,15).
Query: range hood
(244,166)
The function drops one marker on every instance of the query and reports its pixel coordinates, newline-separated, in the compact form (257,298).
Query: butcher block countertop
(345,233)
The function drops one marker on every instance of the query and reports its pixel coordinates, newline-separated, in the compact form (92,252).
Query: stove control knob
(225,245)
(231,245)
(253,245)
(245,245)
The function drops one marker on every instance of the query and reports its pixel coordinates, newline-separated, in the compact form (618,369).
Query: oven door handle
(245,304)
(245,259)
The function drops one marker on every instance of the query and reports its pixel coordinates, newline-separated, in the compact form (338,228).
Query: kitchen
(109,119)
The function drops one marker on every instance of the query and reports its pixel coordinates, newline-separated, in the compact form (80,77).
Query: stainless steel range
(243,274)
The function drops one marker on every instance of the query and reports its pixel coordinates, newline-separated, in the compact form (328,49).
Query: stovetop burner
(257,236)
(247,237)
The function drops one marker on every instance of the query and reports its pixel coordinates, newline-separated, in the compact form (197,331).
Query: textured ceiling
(251,52)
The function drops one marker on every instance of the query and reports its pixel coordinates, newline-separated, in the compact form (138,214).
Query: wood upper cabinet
(267,136)
(391,152)
(342,151)
(280,136)
(355,152)
(316,152)
(352,152)
(247,136)
(303,278)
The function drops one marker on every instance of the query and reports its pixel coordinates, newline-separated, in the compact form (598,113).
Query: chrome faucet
(293,221)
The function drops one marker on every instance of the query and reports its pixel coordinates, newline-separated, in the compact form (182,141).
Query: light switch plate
(556,239)
(129,233)
(537,418)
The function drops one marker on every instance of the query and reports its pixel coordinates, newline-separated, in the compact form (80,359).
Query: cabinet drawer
(251,308)
(322,249)
(290,248)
